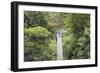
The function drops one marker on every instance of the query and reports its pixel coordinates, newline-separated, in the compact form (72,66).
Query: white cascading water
(59,46)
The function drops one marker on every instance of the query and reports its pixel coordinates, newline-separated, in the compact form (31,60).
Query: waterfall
(59,46)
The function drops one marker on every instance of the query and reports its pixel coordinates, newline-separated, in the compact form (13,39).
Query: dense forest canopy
(40,30)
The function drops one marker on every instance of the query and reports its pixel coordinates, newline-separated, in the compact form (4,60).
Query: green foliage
(78,45)
(32,18)
(37,41)
(53,49)
(75,23)
(37,32)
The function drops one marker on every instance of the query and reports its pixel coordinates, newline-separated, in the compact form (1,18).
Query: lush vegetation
(40,30)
